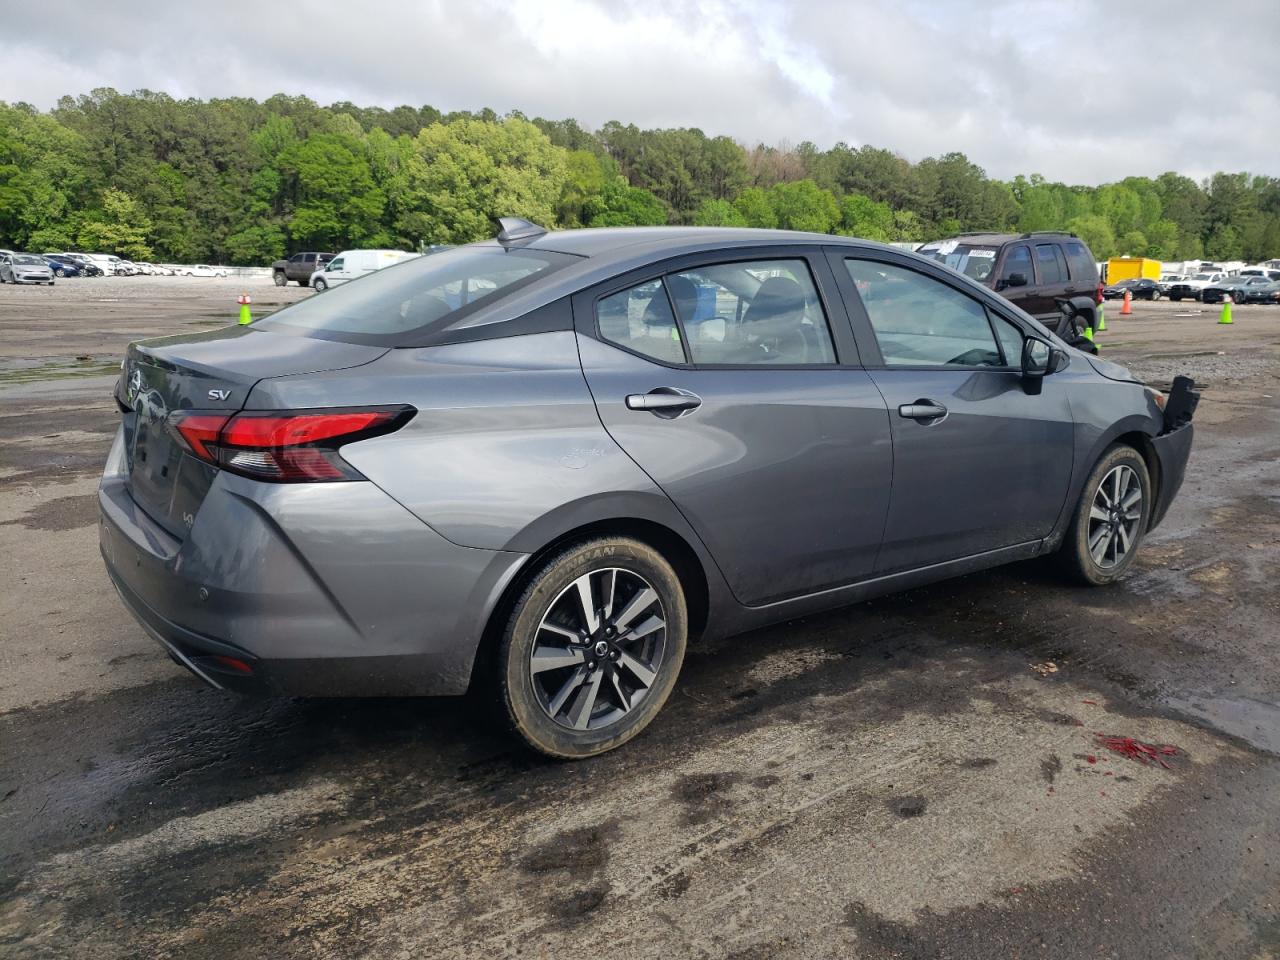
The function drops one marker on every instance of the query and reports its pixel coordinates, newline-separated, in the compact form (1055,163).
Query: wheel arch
(688,562)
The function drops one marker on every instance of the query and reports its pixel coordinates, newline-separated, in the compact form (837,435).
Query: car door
(979,463)
(294,268)
(726,380)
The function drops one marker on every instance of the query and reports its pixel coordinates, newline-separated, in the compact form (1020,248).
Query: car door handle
(663,400)
(922,410)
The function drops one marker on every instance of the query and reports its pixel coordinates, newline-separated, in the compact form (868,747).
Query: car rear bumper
(328,589)
(1173,449)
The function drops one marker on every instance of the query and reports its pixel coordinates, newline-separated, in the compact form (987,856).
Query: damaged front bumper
(1173,445)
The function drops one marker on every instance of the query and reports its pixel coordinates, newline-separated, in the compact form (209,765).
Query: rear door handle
(664,400)
(922,410)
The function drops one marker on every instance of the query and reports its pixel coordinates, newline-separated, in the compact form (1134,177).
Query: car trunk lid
(211,371)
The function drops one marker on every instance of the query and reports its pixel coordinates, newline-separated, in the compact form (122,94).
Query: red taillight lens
(199,430)
(1101,288)
(284,447)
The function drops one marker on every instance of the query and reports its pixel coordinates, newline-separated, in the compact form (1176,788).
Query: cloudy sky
(1083,91)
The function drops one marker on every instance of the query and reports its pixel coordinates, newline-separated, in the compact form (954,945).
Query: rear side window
(394,306)
(640,319)
(1080,261)
(1052,265)
(758,312)
(920,321)
(1018,260)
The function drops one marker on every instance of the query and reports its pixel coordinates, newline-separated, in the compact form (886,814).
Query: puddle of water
(1254,721)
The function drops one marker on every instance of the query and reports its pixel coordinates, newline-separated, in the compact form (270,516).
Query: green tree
(337,202)
(622,205)
(465,174)
(1096,232)
(860,216)
(1224,244)
(803,205)
(756,208)
(718,213)
(119,227)
(1134,244)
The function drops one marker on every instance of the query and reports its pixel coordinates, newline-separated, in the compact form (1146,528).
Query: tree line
(241,181)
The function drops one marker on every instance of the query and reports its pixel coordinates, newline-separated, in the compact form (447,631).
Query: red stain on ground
(1137,750)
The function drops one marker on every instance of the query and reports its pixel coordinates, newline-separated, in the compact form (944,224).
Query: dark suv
(1031,270)
(299,267)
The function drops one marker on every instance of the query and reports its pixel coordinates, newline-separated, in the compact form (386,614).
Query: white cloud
(1078,91)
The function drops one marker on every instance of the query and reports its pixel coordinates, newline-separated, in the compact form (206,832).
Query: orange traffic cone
(1126,309)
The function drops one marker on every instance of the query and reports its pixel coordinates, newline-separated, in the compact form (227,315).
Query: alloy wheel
(1114,516)
(598,649)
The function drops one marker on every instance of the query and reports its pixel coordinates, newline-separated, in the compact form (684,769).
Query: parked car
(1139,288)
(622,439)
(64,266)
(298,268)
(204,270)
(1190,289)
(1031,270)
(1168,280)
(353,264)
(25,268)
(1265,272)
(87,266)
(1242,289)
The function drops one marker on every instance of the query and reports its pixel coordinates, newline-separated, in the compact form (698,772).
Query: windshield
(381,308)
(1204,276)
(973,260)
(35,261)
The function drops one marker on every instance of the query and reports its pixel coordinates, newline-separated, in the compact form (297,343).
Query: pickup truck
(1191,288)
(299,267)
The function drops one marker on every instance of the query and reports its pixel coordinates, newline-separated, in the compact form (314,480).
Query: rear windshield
(973,260)
(390,306)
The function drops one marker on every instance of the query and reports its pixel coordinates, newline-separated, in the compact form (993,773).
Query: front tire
(279,278)
(1110,519)
(593,647)
(320,286)
(1155,295)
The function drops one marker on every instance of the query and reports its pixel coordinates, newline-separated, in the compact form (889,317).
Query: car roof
(609,241)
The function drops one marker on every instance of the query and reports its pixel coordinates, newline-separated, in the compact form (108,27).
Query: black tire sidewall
(1076,554)
(279,279)
(527,717)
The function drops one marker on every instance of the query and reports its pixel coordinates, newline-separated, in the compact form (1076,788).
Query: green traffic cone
(1102,319)
(245,316)
(1225,316)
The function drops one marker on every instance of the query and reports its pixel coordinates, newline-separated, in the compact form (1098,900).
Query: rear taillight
(296,446)
(1101,288)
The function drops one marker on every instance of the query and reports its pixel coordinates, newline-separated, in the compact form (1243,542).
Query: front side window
(1018,261)
(756,312)
(334,265)
(296,258)
(920,321)
(386,306)
(640,319)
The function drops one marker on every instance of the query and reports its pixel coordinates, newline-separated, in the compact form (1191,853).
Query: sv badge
(219,394)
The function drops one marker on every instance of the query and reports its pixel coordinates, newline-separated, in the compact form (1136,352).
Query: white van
(352,264)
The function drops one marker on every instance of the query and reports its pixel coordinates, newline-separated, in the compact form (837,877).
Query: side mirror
(1037,357)
(1017,280)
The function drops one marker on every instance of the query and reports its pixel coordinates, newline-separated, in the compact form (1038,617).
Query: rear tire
(1110,519)
(601,676)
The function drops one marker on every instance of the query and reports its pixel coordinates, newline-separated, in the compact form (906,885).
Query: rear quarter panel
(506,451)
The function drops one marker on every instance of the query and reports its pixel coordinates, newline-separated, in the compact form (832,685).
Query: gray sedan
(25,268)
(545,463)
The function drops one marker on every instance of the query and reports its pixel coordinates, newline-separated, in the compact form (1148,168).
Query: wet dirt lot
(918,776)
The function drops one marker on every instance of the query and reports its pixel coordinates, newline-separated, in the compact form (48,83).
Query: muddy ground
(913,777)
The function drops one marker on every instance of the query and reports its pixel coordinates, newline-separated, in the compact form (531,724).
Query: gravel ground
(914,777)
